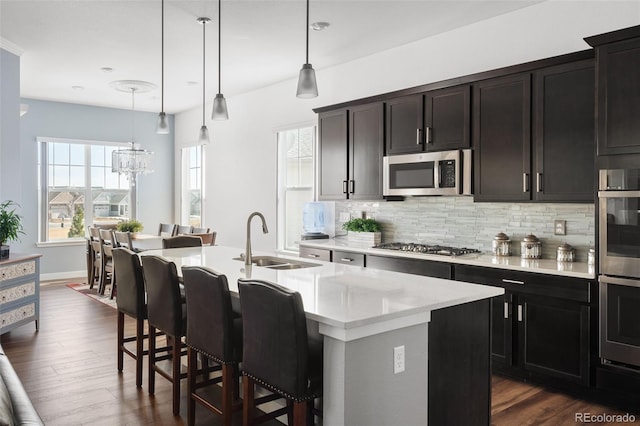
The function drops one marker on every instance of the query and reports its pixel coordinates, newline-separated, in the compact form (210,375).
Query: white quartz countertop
(340,296)
(514,263)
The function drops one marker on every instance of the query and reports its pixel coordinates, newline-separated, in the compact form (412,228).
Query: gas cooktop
(427,249)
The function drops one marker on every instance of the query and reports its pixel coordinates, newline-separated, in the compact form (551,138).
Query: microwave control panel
(448,174)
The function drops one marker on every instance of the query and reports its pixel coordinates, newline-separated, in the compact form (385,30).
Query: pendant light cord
(162,60)
(204,24)
(307,32)
(219,42)
(133,121)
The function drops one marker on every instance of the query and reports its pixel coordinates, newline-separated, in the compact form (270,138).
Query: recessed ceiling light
(78,88)
(319,26)
(106,69)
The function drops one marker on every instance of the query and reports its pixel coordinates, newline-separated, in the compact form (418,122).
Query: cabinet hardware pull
(344,186)
(504,280)
(506,310)
(313,255)
(346,259)
(525,182)
(519,313)
(427,135)
(418,141)
(539,181)
(352,186)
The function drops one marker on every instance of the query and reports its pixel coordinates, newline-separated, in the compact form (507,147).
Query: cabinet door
(404,125)
(366,146)
(447,118)
(501,133)
(553,337)
(332,162)
(564,133)
(502,329)
(619,98)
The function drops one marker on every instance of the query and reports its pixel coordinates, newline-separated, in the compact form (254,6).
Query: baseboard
(58,276)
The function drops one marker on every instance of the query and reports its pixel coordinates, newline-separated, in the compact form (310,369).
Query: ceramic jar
(565,253)
(531,247)
(501,245)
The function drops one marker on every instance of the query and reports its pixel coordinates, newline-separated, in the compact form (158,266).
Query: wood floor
(69,370)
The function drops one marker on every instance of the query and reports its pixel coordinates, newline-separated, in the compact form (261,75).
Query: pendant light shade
(162,128)
(203,137)
(220,111)
(307,86)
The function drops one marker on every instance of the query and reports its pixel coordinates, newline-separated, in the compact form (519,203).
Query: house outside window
(77,188)
(296,148)
(192,186)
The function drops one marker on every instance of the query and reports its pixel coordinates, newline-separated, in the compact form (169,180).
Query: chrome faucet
(247,254)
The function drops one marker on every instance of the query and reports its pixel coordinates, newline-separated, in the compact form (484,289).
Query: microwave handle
(436,174)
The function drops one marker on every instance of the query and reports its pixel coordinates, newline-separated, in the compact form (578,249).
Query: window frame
(185,200)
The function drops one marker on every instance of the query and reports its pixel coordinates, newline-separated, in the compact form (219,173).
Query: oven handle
(619,281)
(618,194)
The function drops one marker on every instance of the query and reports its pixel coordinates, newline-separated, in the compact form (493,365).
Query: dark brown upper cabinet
(350,153)
(502,141)
(618,91)
(434,121)
(564,133)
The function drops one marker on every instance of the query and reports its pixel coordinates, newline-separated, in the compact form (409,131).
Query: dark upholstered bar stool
(166,312)
(181,241)
(214,332)
(277,352)
(131,302)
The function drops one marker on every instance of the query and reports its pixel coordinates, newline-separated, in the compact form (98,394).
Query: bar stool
(167,313)
(277,352)
(216,334)
(181,241)
(131,302)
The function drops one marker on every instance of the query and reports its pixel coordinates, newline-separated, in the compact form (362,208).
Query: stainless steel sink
(274,262)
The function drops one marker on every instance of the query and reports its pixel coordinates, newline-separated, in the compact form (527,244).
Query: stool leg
(300,413)
(248,401)
(152,359)
(120,340)
(227,393)
(192,369)
(176,376)
(139,350)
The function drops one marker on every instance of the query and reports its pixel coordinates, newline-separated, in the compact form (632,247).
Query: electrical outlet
(398,359)
(559,227)
(344,216)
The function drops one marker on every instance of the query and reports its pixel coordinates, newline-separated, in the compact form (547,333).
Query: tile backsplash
(458,221)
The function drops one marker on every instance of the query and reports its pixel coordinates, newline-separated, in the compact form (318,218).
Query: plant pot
(134,235)
(365,238)
(4,252)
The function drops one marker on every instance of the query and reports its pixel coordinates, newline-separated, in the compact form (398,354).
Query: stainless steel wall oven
(619,265)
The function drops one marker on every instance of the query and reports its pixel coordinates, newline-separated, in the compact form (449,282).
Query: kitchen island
(398,348)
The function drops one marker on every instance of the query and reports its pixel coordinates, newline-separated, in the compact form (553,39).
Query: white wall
(241,160)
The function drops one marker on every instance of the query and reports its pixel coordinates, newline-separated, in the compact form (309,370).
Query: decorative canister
(501,245)
(565,253)
(531,247)
(591,256)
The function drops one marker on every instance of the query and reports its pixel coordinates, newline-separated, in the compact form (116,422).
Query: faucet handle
(241,256)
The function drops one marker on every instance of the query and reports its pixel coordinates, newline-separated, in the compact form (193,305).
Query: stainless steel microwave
(428,173)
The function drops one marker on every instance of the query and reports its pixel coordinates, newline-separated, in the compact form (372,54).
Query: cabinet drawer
(17,270)
(18,292)
(348,258)
(427,268)
(314,253)
(567,288)
(18,314)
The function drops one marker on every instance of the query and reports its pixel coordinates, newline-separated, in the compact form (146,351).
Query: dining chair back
(184,229)
(181,241)
(131,301)
(123,239)
(197,230)
(106,251)
(167,230)
(214,332)
(208,239)
(94,256)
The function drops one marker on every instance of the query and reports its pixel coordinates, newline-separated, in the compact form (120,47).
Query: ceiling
(65,43)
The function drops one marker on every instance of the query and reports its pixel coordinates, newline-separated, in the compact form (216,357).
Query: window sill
(72,243)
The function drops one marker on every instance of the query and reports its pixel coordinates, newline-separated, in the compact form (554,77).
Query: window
(77,187)
(295,182)
(192,202)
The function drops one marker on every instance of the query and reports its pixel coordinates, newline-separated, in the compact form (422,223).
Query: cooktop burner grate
(427,249)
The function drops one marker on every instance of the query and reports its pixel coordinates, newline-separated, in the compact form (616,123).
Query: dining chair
(123,239)
(208,239)
(184,229)
(197,230)
(94,256)
(131,301)
(106,262)
(278,353)
(166,312)
(167,230)
(181,241)
(215,333)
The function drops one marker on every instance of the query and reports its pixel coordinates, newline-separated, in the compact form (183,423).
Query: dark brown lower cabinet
(411,266)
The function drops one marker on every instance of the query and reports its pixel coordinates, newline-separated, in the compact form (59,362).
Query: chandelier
(132,161)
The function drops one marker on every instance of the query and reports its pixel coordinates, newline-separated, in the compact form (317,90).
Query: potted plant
(10,226)
(130,225)
(364,231)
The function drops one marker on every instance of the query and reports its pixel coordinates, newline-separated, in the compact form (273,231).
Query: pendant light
(220,111)
(307,86)
(163,124)
(203,138)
